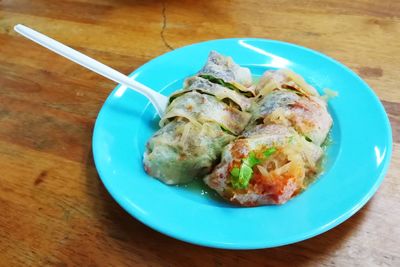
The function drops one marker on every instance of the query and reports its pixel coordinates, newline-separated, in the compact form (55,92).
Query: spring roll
(199,121)
(285,98)
(270,164)
(199,108)
(222,70)
(181,150)
(220,92)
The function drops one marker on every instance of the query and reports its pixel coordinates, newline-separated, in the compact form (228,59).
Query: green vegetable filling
(218,81)
(308,139)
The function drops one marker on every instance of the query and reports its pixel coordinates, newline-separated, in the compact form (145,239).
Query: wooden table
(54,209)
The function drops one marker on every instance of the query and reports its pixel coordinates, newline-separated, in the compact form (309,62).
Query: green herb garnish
(251,160)
(269,152)
(246,172)
(235,172)
(240,177)
(308,139)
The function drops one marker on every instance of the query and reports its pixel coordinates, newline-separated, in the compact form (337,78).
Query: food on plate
(200,108)
(269,164)
(308,115)
(182,150)
(278,154)
(285,98)
(222,70)
(284,79)
(222,93)
(200,120)
(254,144)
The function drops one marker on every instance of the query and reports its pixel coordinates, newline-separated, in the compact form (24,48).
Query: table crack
(164,26)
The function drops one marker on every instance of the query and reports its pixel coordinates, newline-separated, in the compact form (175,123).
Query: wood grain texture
(54,209)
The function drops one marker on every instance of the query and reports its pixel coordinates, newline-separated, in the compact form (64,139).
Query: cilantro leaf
(245,175)
(242,181)
(251,160)
(269,152)
(235,172)
(240,178)
(235,182)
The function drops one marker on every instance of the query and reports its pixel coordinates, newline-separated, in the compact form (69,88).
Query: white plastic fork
(158,100)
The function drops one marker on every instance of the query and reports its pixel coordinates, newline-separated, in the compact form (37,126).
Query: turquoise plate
(356,163)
